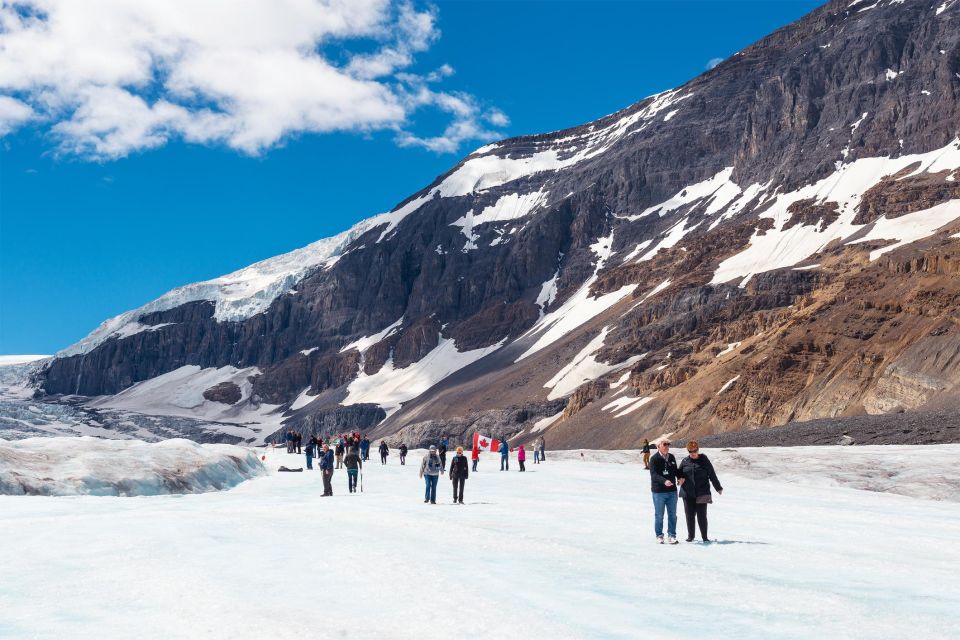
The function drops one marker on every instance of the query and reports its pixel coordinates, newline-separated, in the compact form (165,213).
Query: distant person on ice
(521,457)
(311,452)
(326,468)
(442,450)
(430,472)
(475,456)
(663,481)
(459,475)
(403,454)
(697,475)
(646,453)
(536,451)
(504,456)
(353,464)
(339,451)
(365,448)
(543,449)
(384,452)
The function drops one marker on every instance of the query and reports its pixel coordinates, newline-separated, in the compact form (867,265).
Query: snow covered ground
(99,467)
(563,551)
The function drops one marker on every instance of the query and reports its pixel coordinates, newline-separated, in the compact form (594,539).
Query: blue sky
(89,231)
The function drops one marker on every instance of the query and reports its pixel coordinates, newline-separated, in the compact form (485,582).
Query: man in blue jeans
(430,472)
(663,484)
(504,456)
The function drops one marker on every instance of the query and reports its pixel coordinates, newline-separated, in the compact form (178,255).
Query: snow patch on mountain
(390,387)
(364,343)
(512,206)
(93,466)
(778,248)
(625,405)
(675,234)
(584,367)
(719,189)
(578,308)
(911,227)
(180,393)
(543,423)
(548,292)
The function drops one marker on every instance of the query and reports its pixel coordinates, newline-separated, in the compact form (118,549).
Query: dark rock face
(225,392)
(931,427)
(839,85)
(326,422)
(502,424)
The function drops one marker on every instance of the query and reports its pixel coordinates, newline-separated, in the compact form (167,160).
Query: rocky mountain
(774,241)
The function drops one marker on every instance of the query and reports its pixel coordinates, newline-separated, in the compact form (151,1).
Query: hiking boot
(659,539)
(690,539)
(425,501)
(672,540)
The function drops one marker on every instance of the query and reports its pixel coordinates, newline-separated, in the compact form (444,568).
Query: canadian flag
(483,443)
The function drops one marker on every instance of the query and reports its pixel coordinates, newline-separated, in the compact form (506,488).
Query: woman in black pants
(697,474)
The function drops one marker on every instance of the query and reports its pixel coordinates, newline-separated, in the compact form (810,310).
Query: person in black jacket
(459,474)
(403,454)
(384,452)
(646,453)
(442,450)
(663,484)
(697,475)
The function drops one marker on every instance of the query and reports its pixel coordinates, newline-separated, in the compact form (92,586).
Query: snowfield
(563,551)
(93,466)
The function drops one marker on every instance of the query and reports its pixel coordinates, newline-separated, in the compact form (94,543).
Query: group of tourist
(689,480)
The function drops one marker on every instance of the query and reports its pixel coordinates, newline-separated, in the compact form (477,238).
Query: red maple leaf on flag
(483,442)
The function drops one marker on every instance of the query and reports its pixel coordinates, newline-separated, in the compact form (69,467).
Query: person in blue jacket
(326,468)
(504,456)
(365,448)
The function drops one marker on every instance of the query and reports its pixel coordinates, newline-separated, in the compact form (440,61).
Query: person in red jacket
(475,456)
(522,457)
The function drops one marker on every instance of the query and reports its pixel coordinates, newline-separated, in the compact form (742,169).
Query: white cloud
(12,114)
(713,62)
(111,77)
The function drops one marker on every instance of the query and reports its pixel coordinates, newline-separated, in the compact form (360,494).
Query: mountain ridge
(660,227)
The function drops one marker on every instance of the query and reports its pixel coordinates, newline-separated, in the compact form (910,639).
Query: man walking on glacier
(663,485)
(326,468)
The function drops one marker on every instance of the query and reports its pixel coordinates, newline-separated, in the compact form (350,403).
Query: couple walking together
(693,476)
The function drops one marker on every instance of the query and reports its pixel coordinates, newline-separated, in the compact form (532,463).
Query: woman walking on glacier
(696,475)
(459,474)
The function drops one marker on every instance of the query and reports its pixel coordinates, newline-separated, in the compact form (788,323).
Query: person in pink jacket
(521,457)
